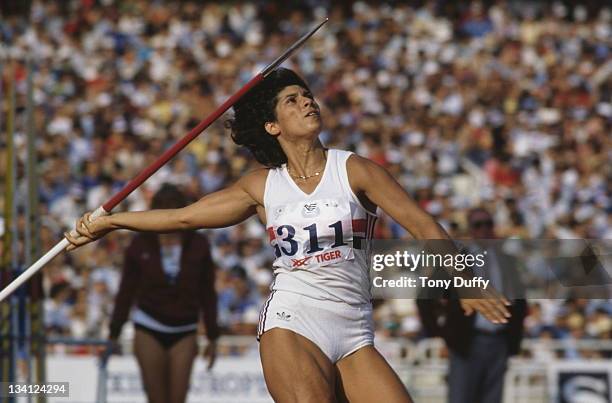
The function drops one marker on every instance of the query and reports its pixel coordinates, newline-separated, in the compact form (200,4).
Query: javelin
(161,161)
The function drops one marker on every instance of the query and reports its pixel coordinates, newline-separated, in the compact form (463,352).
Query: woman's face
(297,114)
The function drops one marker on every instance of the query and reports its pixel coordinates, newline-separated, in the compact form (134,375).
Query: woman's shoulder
(356,161)
(254,181)
(362,170)
(257,174)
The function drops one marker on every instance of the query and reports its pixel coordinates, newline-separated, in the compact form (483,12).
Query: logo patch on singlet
(310,210)
(300,262)
(278,211)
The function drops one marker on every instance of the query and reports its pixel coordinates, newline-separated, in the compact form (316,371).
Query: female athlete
(319,206)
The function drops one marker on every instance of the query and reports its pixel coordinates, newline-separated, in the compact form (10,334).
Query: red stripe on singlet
(360,225)
(270,234)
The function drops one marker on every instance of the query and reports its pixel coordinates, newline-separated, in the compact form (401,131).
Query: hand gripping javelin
(161,161)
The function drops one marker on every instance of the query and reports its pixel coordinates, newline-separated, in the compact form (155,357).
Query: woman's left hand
(489,303)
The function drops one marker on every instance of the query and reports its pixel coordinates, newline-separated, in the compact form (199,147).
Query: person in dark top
(168,280)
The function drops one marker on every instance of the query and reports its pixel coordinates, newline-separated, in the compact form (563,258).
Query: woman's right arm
(224,208)
(219,209)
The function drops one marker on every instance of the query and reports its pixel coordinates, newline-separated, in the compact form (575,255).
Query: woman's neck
(305,159)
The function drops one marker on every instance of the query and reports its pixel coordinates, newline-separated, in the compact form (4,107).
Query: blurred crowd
(505,105)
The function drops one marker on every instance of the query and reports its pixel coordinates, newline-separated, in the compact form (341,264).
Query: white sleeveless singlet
(321,240)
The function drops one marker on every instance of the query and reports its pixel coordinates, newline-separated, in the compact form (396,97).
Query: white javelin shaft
(56,250)
(23,277)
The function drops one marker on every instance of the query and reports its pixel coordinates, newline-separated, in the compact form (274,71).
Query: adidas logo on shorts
(283,316)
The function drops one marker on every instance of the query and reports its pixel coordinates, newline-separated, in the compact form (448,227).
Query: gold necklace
(305,177)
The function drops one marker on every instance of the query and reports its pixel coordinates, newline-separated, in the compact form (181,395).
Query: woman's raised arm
(383,190)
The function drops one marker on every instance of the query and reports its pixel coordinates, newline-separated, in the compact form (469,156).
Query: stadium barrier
(237,375)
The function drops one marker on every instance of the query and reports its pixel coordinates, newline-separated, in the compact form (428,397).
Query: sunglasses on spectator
(481,223)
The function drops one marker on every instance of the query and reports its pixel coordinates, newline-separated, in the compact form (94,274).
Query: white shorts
(337,328)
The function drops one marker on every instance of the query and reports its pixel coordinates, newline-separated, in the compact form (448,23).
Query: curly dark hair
(254,110)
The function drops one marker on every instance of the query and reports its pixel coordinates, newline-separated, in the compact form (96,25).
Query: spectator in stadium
(170,278)
(238,301)
(57,310)
(479,349)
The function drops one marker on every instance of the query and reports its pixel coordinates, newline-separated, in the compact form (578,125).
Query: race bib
(311,234)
